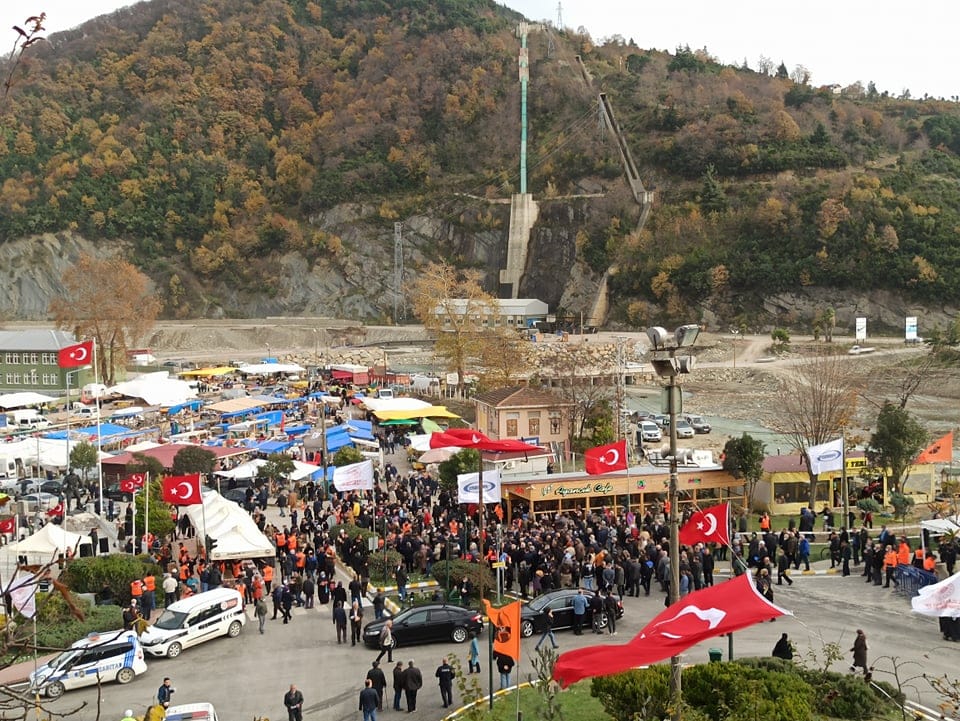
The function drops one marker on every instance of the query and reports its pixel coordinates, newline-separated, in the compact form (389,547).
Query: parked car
(237,495)
(650,432)
(39,501)
(662,420)
(684,429)
(533,616)
(699,424)
(39,485)
(427,624)
(99,657)
(114,493)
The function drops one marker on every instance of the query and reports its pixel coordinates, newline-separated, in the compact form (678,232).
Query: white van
(194,620)
(84,413)
(26,419)
(100,657)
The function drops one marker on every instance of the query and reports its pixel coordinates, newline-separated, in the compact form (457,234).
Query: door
(562,611)
(203,625)
(414,628)
(441,624)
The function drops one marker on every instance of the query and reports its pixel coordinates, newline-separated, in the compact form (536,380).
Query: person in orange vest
(292,543)
(889,566)
(149,597)
(918,558)
(301,561)
(136,590)
(267,577)
(903,552)
(930,563)
(281,540)
(765,522)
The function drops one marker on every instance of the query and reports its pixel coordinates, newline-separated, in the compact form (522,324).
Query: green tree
(148,465)
(465,461)
(743,458)
(781,340)
(346,456)
(161,524)
(895,443)
(712,198)
(194,459)
(83,457)
(25,38)
(782,71)
(277,467)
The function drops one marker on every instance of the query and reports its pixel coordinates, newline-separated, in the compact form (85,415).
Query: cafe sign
(570,490)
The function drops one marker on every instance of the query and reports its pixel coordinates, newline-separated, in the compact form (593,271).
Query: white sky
(897,45)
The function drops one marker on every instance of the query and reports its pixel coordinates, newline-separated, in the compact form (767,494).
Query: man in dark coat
(397,685)
(412,682)
(379,682)
(445,676)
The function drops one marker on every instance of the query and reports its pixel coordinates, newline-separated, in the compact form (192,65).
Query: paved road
(246,677)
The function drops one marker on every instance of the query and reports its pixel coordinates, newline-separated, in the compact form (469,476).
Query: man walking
(356,623)
(445,675)
(379,681)
(412,682)
(386,641)
(369,701)
(260,611)
(397,685)
(165,692)
(340,621)
(548,631)
(293,700)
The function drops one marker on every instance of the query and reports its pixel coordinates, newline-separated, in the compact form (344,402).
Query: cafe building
(640,489)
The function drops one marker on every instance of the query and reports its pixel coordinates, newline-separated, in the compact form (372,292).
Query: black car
(34,485)
(115,493)
(533,616)
(237,495)
(426,624)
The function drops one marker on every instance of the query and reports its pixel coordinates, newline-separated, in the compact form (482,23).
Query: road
(246,677)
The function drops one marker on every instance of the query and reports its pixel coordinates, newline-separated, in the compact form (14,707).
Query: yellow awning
(428,412)
(209,372)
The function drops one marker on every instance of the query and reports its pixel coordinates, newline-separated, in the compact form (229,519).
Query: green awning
(399,422)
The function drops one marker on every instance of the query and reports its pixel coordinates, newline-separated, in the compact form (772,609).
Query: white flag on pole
(941,599)
(826,457)
(355,477)
(23,594)
(468,487)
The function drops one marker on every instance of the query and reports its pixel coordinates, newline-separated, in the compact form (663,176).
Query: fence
(911,579)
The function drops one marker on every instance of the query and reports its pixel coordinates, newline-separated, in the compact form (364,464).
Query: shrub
(643,694)
(57,627)
(476,572)
(90,575)
(380,570)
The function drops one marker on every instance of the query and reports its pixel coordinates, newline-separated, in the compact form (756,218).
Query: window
(555,422)
(533,423)
(49,379)
(491,423)
(9,379)
(513,422)
(49,359)
(16,379)
(32,378)
(13,358)
(34,358)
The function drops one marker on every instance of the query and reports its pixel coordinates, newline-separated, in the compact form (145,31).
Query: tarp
(232,527)
(395,404)
(235,404)
(428,412)
(47,452)
(109,433)
(49,541)
(262,369)
(27,398)
(249,469)
(194,405)
(209,372)
(156,389)
(942,525)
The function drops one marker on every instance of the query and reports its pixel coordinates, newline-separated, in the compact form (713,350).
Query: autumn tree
(451,303)
(584,375)
(110,301)
(817,401)
(505,357)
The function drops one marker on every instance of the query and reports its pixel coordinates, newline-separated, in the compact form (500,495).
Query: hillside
(253,157)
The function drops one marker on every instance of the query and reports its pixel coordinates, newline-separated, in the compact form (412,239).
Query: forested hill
(215,137)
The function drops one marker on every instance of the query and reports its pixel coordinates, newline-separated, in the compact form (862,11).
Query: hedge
(118,570)
(459,568)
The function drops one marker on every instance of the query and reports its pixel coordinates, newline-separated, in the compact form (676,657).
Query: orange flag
(505,623)
(940,451)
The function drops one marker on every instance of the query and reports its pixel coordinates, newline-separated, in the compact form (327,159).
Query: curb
(486,698)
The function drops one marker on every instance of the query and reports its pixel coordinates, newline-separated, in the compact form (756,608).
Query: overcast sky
(897,45)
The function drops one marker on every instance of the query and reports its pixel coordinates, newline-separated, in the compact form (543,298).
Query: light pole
(668,365)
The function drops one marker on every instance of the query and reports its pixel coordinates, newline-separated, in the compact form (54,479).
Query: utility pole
(399,306)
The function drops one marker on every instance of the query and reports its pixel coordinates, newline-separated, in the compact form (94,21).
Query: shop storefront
(639,489)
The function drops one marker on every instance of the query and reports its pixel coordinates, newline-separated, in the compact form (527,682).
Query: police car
(107,656)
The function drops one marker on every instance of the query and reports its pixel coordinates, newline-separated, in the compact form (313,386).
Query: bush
(57,627)
(635,694)
(476,572)
(90,575)
(376,566)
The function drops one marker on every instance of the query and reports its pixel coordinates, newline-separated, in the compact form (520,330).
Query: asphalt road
(247,677)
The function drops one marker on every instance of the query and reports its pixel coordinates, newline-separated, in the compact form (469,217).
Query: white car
(98,658)
(191,712)
(685,430)
(39,501)
(650,432)
(194,620)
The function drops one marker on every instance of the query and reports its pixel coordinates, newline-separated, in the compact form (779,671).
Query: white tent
(236,534)
(250,468)
(156,389)
(395,404)
(47,543)
(27,398)
(942,525)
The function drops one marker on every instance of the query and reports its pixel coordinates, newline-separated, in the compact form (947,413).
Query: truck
(26,419)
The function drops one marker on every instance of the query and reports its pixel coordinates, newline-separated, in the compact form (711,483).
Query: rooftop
(34,340)
(520,397)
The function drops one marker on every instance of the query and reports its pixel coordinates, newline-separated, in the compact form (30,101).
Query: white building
(506,312)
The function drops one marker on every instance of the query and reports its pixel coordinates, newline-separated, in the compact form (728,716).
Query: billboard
(910,333)
(861,329)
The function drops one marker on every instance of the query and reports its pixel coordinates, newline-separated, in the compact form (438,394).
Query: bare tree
(818,400)
(764,65)
(25,38)
(800,75)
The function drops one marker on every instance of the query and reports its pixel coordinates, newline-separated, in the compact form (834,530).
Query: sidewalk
(20,672)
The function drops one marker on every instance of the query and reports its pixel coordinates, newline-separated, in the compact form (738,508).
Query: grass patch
(575,703)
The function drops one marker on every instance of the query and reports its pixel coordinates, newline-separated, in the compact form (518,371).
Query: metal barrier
(910,579)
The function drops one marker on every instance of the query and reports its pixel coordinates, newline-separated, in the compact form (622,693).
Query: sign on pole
(910,333)
(861,328)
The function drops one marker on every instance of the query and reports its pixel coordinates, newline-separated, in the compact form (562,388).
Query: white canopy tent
(27,398)
(236,534)
(156,389)
(49,453)
(263,369)
(47,543)
(942,525)
(395,404)
(249,470)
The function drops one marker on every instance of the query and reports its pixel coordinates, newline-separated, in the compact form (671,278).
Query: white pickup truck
(860,350)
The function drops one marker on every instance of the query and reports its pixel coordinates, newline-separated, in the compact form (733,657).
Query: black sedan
(115,493)
(426,624)
(40,485)
(533,616)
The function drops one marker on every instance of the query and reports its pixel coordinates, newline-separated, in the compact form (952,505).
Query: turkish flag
(940,451)
(57,510)
(505,623)
(138,479)
(128,485)
(713,611)
(74,356)
(709,525)
(182,490)
(604,459)
(466,438)
(8,525)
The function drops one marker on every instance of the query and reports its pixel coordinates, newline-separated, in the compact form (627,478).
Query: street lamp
(668,365)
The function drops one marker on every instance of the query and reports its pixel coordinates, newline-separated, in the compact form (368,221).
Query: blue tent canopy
(189,405)
(296,430)
(108,431)
(337,440)
(274,446)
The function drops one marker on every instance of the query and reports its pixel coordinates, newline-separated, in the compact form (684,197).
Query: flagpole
(36,693)
(843,481)
(96,390)
(133,517)
(146,512)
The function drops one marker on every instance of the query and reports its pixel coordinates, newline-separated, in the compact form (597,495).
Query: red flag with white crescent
(182,490)
(74,356)
(604,459)
(713,611)
(709,525)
